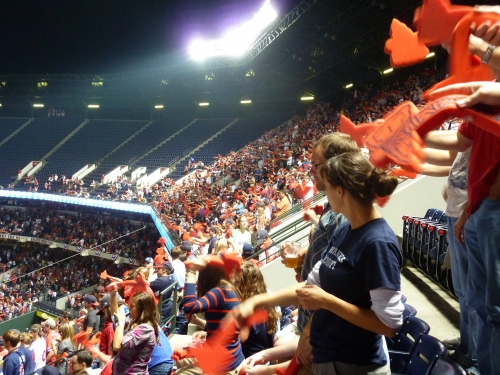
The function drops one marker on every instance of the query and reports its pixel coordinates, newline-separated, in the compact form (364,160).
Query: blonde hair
(67,332)
(220,246)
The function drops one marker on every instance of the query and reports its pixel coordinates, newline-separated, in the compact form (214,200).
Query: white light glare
(38,105)
(307,98)
(93,106)
(204,104)
(349,86)
(246,102)
(159,106)
(238,40)
(387,71)
(432,54)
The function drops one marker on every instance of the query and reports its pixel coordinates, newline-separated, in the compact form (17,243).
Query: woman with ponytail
(354,290)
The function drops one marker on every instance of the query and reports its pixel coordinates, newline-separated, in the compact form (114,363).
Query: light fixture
(349,86)
(245,101)
(387,71)
(309,97)
(432,54)
(93,106)
(204,104)
(38,105)
(0,104)
(238,39)
(159,106)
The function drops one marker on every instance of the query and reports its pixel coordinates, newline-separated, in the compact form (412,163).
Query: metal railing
(298,208)
(172,319)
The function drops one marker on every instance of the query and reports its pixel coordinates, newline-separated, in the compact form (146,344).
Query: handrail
(173,317)
(298,207)
(288,227)
(278,242)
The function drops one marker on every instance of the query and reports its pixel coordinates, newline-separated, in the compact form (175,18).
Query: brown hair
(13,336)
(359,177)
(212,277)
(148,313)
(334,144)
(176,252)
(252,283)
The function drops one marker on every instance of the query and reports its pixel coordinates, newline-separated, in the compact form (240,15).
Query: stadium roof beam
(287,21)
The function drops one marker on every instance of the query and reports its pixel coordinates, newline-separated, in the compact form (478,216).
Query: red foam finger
(404,46)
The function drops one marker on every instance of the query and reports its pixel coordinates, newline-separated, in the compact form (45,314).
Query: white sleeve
(313,277)
(387,305)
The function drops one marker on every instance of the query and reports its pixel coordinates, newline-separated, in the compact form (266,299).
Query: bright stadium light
(432,54)
(387,71)
(349,86)
(93,106)
(237,41)
(38,105)
(305,98)
(204,104)
(246,101)
(159,106)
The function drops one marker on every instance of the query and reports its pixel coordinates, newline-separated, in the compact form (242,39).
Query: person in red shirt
(108,330)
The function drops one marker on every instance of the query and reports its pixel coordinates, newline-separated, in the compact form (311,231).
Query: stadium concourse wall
(121,206)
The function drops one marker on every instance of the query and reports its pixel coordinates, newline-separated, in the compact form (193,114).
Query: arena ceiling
(316,48)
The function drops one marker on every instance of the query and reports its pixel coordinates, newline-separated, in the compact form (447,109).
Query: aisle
(434,305)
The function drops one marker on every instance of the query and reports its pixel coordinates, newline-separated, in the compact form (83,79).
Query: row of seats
(425,245)
(414,352)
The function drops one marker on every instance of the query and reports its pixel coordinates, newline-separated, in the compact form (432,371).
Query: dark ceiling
(325,45)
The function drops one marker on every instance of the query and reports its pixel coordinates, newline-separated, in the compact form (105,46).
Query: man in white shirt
(179,267)
(38,346)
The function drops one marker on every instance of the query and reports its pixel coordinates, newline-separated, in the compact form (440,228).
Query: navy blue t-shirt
(27,357)
(355,262)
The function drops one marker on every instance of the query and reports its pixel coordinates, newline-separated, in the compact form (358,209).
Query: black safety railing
(172,318)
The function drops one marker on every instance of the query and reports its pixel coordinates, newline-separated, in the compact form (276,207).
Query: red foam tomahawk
(213,357)
(138,285)
(398,139)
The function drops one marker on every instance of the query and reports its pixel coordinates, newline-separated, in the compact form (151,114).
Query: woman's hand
(312,297)
(199,336)
(256,359)
(197,264)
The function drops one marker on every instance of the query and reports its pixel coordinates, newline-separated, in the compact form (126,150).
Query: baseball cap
(50,323)
(166,265)
(106,300)
(149,260)
(247,248)
(90,299)
(185,246)
(230,221)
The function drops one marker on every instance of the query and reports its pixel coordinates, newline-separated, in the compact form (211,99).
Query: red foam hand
(357,132)
(398,140)
(318,209)
(463,66)
(104,275)
(404,46)
(435,20)
(213,357)
(292,369)
(138,285)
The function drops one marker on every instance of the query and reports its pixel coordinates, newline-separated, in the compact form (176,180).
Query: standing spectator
(92,321)
(13,362)
(108,330)
(136,346)
(38,346)
(29,364)
(165,279)
(179,267)
(51,337)
(66,347)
